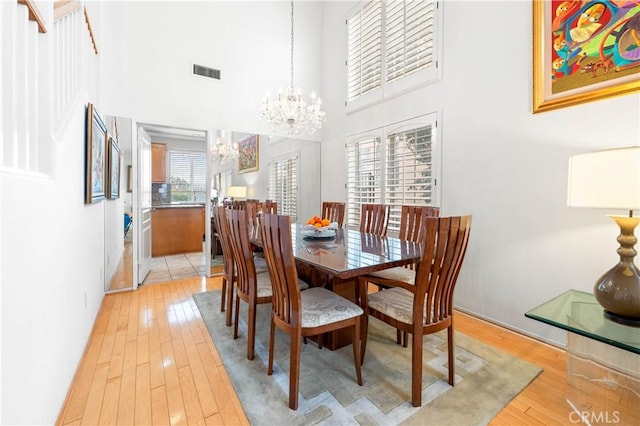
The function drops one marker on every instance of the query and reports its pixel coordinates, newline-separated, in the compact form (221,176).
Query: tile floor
(169,268)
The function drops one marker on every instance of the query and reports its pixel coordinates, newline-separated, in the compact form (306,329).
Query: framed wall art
(113,167)
(248,154)
(584,51)
(95,160)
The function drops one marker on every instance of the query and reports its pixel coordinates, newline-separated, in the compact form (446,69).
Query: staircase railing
(44,73)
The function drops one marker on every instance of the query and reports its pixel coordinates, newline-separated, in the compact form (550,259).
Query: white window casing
(393,46)
(395,165)
(283,184)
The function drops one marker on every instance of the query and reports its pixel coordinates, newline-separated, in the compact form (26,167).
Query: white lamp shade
(605,179)
(237,191)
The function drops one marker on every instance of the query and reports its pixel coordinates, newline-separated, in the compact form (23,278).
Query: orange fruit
(318,225)
(325,222)
(311,221)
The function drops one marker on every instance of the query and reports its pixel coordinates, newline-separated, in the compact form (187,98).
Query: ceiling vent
(206,72)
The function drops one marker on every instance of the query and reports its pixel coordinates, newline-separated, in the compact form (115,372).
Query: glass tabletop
(351,253)
(579,312)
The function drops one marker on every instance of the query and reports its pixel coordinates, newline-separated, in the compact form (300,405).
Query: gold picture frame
(583,51)
(248,154)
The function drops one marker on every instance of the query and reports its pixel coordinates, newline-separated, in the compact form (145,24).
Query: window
(283,184)
(393,165)
(187,176)
(392,46)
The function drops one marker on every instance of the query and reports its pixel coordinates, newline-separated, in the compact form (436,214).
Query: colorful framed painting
(113,167)
(584,51)
(95,159)
(248,154)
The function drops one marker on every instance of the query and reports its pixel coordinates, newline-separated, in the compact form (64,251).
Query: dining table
(336,259)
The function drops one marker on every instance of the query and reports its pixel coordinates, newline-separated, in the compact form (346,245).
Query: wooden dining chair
(228,269)
(424,306)
(334,211)
(252,288)
(412,220)
(374,219)
(269,207)
(302,314)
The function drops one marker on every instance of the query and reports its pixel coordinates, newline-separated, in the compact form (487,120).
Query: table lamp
(611,179)
(237,192)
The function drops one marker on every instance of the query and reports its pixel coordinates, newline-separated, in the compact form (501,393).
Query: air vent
(206,72)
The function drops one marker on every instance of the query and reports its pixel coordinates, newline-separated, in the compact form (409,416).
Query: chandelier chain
(291,43)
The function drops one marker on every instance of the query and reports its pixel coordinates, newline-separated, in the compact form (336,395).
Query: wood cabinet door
(158,162)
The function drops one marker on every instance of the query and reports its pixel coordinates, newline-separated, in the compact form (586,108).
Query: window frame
(354,201)
(388,90)
(193,193)
(282,205)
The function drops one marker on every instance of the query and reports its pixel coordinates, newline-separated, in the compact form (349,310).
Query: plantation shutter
(409,37)
(364,61)
(409,179)
(225,181)
(187,175)
(283,185)
(364,176)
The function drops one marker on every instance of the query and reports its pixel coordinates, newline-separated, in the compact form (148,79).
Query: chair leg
(251,332)
(272,340)
(364,330)
(356,350)
(235,320)
(416,369)
(405,339)
(452,358)
(294,370)
(230,301)
(223,294)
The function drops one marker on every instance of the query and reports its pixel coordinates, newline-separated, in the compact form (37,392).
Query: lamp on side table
(611,179)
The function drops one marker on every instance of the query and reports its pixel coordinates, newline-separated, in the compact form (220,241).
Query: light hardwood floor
(150,360)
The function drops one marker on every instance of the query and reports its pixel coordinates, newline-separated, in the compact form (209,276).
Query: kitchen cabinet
(158,162)
(176,230)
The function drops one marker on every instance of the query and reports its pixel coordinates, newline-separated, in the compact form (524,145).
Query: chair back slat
(270,207)
(224,236)
(445,245)
(243,254)
(374,219)
(412,220)
(334,211)
(278,251)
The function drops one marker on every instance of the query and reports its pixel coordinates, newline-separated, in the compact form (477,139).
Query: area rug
(486,378)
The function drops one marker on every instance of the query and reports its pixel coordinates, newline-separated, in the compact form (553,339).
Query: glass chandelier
(224,151)
(289,113)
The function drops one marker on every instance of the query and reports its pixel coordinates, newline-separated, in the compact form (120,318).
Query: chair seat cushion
(260,263)
(321,306)
(394,302)
(399,273)
(264,285)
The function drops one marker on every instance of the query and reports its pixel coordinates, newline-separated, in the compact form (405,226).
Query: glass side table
(600,353)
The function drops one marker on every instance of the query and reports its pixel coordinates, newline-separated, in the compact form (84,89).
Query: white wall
(148,61)
(149,67)
(52,259)
(500,163)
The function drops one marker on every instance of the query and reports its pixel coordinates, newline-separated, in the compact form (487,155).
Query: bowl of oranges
(317,227)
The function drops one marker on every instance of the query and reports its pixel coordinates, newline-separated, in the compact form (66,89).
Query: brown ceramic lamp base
(618,290)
